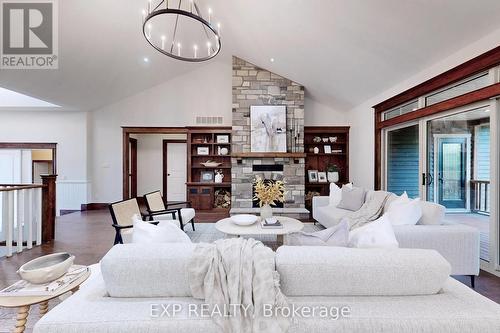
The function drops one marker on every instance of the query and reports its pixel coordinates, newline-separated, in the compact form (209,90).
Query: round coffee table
(23,303)
(289,225)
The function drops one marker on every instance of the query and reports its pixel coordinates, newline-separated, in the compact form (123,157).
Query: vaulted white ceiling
(343,51)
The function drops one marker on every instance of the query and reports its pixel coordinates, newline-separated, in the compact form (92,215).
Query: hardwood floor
(89,235)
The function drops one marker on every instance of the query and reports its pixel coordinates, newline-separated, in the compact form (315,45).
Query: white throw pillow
(165,232)
(405,213)
(336,193)
(403,198)
(376,234)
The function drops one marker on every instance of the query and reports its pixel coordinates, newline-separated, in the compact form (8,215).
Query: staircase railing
(27,214)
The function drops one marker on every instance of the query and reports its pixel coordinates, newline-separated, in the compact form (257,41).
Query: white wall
(150,161)
(362,117)
(69,131)
(317,114)
(205,91)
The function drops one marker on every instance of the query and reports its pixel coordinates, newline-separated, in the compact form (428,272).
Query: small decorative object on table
(316,150)
(333,139)
(316,139)
(46,268)
(244,219)
(333,173)
(268,193)
(271,223)
(325,140)
(218,176)
(313,176)
(328,149)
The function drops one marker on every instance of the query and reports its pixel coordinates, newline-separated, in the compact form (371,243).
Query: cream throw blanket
(238,271)
(370,211)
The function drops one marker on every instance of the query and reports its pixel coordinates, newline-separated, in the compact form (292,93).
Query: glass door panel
(402,161)
(451,171)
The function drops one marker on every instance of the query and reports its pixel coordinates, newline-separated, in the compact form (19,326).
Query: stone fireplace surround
(253,85)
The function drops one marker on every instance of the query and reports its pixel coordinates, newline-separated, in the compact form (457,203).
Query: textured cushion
(405,212)
(457,308)
(141,270)
(335,271)
(335,194)
(329,216)
(335,236)
(457,243)
(187,215)
(376,234)
(352,198)
(432,213)
(164,232)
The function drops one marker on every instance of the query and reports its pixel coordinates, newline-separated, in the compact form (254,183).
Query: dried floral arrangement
(269,193)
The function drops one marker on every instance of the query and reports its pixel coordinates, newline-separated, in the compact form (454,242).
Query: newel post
(48,207)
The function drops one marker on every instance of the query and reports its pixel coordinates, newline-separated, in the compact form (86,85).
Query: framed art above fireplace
(268,128)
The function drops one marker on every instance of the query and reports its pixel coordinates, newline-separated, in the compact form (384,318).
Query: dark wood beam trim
(465,99)
(471,67)
(27,145)
(154,130)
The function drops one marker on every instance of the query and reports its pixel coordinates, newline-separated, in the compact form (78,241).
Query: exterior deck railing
(480,196)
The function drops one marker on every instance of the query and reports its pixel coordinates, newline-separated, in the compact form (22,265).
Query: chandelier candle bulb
(149,6)
(163,38)
(179,49)
(209,15)
(218,29)
(191,6)
(150,27)
(195,47)
(209,45)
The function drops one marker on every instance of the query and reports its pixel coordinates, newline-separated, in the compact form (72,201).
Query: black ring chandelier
(192,38)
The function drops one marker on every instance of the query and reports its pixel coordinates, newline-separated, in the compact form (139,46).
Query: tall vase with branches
(268,194)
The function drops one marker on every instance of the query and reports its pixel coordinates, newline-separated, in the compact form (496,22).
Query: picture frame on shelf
(322,177)
(207,176)
(328,149)
(312,176)
(222,139)
(203,151)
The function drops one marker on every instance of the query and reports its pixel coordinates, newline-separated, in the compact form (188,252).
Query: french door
(434,158)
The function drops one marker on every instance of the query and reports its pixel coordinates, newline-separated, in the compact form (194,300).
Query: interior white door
(176,172)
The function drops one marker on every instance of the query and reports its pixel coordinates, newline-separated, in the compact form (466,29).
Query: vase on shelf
(333,177)
(266,211)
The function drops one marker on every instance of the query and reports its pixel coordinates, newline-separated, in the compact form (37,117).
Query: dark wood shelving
(268,155)
(201,194)
(321,161)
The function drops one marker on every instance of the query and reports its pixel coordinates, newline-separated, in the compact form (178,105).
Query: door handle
(168,175)
(424,182)
(430,179)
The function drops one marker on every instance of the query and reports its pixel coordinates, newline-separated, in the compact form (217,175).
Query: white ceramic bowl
(244,219)
(47,268)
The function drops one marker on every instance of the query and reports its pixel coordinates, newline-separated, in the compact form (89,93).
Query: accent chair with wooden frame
(157,207)
(122,213)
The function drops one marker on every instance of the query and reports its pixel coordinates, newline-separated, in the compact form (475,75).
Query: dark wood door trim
(126,132)
(34,145)
(165,165)
(133,166)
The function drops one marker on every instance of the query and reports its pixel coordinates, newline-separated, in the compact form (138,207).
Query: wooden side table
(23,303)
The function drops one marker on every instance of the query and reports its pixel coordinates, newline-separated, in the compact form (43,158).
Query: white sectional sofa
(459,244)
(396,290)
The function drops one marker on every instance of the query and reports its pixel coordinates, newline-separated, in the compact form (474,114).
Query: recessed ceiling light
(487,110)
(272,59)
(146,59)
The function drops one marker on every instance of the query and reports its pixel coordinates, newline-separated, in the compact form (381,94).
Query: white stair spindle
(28,217)
(9,231)
(19,208)
(38,214)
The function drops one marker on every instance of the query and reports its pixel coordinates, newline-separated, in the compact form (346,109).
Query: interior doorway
(133,166)
(174,170)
